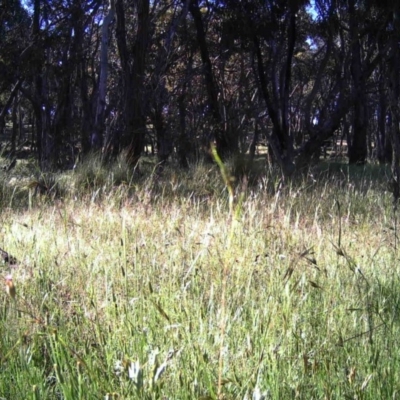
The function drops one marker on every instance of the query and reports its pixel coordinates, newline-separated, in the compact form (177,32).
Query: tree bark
(97,134)
(394,100)
(7,106)
(223,144)
(133,64)
(384,152)
(358,150)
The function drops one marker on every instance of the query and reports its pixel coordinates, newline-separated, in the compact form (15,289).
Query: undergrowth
(189,286)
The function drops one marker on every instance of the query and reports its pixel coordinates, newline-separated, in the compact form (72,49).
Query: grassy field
(159,288)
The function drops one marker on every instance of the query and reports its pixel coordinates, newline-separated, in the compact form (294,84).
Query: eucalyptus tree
(311,72)
(168,17)
(224,143)
(56,74)
(363,28)
(277,33)
(14,24)
(393,60)
(100,111)
(383,142)
(132,35)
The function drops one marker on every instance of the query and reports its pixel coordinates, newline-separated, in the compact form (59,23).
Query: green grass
(153,288)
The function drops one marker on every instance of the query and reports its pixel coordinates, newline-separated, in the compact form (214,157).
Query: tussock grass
(149,288)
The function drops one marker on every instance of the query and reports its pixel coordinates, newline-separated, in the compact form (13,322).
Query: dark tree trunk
(7,106)
(322,132)
(394,98)
(384,153)
(275,139)
(286,77)
(37,76)
(97,135)
(164,143)
(85,125)
(183,142)
(223,144)
(358,150)
(86,121)
(253,145)
(40,98)
(14,132)
(133,64)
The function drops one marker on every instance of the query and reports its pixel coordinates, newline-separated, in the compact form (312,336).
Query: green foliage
(93,173)
(146,292)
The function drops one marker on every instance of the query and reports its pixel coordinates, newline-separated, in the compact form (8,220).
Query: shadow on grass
(358,176)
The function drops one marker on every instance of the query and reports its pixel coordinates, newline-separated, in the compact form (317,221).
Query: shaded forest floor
(150,288)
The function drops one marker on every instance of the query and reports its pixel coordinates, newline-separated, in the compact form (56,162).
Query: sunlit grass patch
(152,290)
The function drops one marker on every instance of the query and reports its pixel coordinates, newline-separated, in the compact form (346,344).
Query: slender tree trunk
(49,155)
(21,133)
(223,144)
(14,117)
(395,97)
(7,106)
(38,81)
(383,143)
(137,123)
(286,78)
(323,132)
(159,96)
(358,150)
(97,134)
(40,98)
(164,143)
(253,145)
(184,148)
(384,146)
(133,64)
(275,138)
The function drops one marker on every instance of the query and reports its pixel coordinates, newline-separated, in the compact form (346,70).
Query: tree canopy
(173,76)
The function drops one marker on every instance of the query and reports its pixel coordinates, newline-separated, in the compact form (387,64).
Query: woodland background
(169,77)
(133,268)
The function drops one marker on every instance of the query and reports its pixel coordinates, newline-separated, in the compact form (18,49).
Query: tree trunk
(382,139)
(164,143)
(97,134)
(14,132)
(223,144)
(133,64)
(38,81)
(394,98)
(384,151)
(7,106)
(253,145)
(184,148)
(285,81)
(358,150)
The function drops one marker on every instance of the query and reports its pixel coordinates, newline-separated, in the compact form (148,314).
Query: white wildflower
(136,374)
(134,370)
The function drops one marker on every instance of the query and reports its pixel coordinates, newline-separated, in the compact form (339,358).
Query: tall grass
(147,288)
